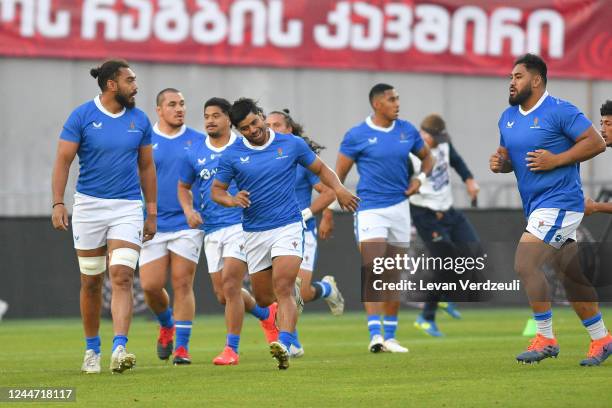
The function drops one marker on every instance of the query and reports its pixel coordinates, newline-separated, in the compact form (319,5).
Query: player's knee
(182,285)
(122,279)
(231,288)
(283,287)
(151,287)
(124,256)
(220,297)
(92,286)
(92,265)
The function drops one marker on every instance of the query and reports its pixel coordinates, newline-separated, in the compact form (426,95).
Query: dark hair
(436,127)
(241,109)
(533,63)
(221,103)
(606,108)
(298,130)
(378,89)
(108,70)
(160,96)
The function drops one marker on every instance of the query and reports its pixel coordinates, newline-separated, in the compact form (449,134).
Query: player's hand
(472,188)
(194,219)
(150,228)
(589,206)
(241,199)
(59,217)
(326,226)
(413,188)
(498,159)
(347,200)
(541,160)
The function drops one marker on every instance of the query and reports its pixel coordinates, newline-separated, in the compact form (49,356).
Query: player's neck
(533,99)
(381,121)
(220,141)
(168,129)
(110,103)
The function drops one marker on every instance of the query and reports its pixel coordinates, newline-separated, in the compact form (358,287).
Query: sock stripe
(389,323)
(592,320)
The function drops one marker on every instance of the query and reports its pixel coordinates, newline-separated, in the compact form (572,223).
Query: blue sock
(119,340)
(165,318)
(374,325)
(183,332)
(262,313)
(233,340)
(93,343)
(390,325)
(296,342)
(286,339)
(325,288)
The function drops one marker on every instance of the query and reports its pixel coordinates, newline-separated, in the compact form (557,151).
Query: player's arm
(148,183)
(66,151)
(499,162)
(221,196)
(592,207)
(427,163)
(325,198)
(588,145)
(185,197)
(457,163)
(346,199)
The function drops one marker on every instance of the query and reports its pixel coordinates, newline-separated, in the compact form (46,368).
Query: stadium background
(43,79)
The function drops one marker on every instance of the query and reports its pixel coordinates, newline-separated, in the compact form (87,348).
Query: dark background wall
(39,274)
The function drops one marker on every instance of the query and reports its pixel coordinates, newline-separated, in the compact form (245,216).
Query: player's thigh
(531,254)
(182,271)
(186,246)
(309,256)
(122,261)
(261,284)
(153,274)
(127,222)
(284,271)
(233,271)
(398,220)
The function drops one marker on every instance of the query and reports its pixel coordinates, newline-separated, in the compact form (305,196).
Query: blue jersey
(168,153)
(268,173)
(198,168)
(382,158)
(304,181)
(108,149)
(554,125)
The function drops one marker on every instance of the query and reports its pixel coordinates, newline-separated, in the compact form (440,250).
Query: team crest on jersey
(212,156)
(280,152)
(294,244)
(132,127)
(536,123)
(373,140)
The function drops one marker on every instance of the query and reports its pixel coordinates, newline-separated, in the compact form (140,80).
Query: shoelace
(533,343)
(593,350)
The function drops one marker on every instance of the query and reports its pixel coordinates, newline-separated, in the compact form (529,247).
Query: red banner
(475,37)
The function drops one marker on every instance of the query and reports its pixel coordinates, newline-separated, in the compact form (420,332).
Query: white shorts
(227,242)
(391,223)
(185,243)
(262,246)
(96,220)
(554,226)
(310,251)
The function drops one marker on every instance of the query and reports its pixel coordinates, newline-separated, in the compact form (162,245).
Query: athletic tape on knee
(124,256)
(92,265)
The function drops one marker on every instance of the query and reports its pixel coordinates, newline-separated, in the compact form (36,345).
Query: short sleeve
(72,130)
(187,173)
(572,121)
(146,136)
(305,156)
(225,170)
(502,142)
(418,141)
(349,147)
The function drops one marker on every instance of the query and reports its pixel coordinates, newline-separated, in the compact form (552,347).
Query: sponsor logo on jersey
(373,140)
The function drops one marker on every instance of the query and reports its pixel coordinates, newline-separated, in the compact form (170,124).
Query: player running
(224,239)
(542,140)
(606,131)
(263,166)
(380,146)
(176,247)
(113,140)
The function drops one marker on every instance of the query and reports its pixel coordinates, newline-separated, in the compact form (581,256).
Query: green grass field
(473,366)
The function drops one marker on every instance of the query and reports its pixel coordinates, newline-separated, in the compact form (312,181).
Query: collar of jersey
(536,106)
(222,148)
(162,134)
(104,111)
(371,124)
(268,143)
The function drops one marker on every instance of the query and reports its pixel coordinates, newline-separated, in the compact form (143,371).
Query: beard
(125,101)
(520,97)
